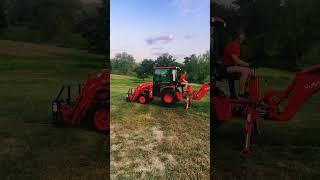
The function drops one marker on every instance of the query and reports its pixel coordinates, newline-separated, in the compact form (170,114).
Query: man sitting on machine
(183,81)
(231,60)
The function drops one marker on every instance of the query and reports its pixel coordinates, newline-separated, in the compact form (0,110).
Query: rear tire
(168,97)
(216,122)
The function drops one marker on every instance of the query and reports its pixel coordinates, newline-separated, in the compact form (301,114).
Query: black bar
(60,92)
(232,89)
(69,94)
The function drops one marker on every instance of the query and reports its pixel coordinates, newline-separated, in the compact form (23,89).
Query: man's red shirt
(232,48)
(182,78)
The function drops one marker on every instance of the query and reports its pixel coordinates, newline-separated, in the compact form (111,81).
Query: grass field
(156,142)
(31,147)
(287,150)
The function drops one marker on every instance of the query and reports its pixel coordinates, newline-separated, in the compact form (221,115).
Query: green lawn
(287,150)
(153,141)
(31,147)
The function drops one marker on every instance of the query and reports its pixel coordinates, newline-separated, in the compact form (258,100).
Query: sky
(149,28)
(226,2)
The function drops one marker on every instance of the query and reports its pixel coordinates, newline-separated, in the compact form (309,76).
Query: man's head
(185,72)
(239,36)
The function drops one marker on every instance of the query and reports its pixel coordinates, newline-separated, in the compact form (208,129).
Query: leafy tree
(145,68)
(123,63)
(204,67)
(276,29)
(51,18)
(166,60)
(299,30)
(94,27)
(140,73)
(19,11)
(191,66)
(3,16)
(198,67)
(64,23)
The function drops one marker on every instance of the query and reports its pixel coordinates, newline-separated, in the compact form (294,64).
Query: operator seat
(181,86)
(222,74)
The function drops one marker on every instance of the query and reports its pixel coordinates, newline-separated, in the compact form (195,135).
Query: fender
(167,87)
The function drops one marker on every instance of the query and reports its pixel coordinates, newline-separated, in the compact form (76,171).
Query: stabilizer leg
(248,134)
(188,100)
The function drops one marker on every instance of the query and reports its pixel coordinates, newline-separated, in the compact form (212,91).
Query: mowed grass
(287,150)
(152,141)
(31,147)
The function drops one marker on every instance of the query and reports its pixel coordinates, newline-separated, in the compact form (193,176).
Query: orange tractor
(90,107)
(166,86)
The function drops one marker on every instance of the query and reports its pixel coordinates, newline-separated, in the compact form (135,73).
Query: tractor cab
(165,77)
(220,37)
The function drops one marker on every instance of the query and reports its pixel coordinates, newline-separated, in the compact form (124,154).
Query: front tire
(143,99)
(101,120)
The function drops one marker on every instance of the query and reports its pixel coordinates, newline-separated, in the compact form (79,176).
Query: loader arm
(305,84)
(88,95)
(141,89)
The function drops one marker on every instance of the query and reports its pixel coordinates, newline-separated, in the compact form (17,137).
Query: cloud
(165,39)
(189,36)
(158,53)
(157,48)
(179,56)
(191,7)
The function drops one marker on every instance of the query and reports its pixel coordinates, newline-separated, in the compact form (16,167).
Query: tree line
(70,23)
(198,67)
(280,33)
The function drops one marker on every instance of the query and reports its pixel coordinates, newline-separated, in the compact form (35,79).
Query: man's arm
(238,61)
(184,80)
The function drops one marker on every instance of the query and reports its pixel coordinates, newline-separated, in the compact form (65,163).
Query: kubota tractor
(259,105)
(166,86)
(91,107)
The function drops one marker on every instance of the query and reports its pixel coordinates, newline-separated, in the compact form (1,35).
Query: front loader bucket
(56,113)
(129,95)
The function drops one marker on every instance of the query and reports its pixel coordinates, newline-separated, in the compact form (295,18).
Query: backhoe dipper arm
(305,84)
(199,94)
